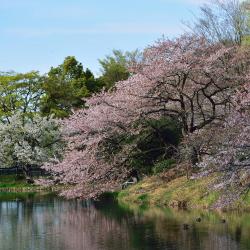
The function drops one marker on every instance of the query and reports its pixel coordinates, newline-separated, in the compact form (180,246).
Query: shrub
(163,165)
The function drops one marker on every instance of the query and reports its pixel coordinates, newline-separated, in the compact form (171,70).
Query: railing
(33,171)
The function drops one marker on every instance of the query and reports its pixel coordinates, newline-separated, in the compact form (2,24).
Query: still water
(46,222)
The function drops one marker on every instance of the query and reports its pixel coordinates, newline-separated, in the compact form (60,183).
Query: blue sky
(38,34)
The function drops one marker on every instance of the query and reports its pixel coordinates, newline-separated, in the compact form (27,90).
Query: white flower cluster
(29,142)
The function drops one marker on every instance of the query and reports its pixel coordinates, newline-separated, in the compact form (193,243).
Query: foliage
(19,93)
(186,79)
(65,87)
(29,142)
(115,66)
(158,140)
(163,165)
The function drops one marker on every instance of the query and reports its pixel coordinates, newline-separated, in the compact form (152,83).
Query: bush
(163,165)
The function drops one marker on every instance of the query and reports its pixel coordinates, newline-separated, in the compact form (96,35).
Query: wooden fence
(33,171)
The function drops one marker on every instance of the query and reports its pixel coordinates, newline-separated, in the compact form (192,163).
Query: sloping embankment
(180,192)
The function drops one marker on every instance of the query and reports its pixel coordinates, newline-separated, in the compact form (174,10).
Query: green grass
(13,181)
(244,202)
(246,41)
(246,197)
(16,184)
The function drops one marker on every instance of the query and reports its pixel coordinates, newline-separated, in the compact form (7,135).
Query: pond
(47,222)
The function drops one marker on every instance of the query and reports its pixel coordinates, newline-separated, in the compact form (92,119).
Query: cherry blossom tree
(228,149)
(185,78)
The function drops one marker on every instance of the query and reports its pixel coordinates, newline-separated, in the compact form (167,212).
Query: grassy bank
(18,184)
(180,192)
(13,181)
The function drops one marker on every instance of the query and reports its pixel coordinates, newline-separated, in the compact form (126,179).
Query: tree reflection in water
(46,223)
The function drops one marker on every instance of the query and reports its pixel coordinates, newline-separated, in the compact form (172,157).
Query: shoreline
(155,191)
(179,193)
(18,184)
(29,189)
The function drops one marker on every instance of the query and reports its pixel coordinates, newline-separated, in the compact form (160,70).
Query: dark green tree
(65,87)
(114,67)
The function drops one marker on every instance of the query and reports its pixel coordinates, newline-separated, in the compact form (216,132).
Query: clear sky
(38,34)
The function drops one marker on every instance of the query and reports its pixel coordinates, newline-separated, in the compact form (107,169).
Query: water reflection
(52,223)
